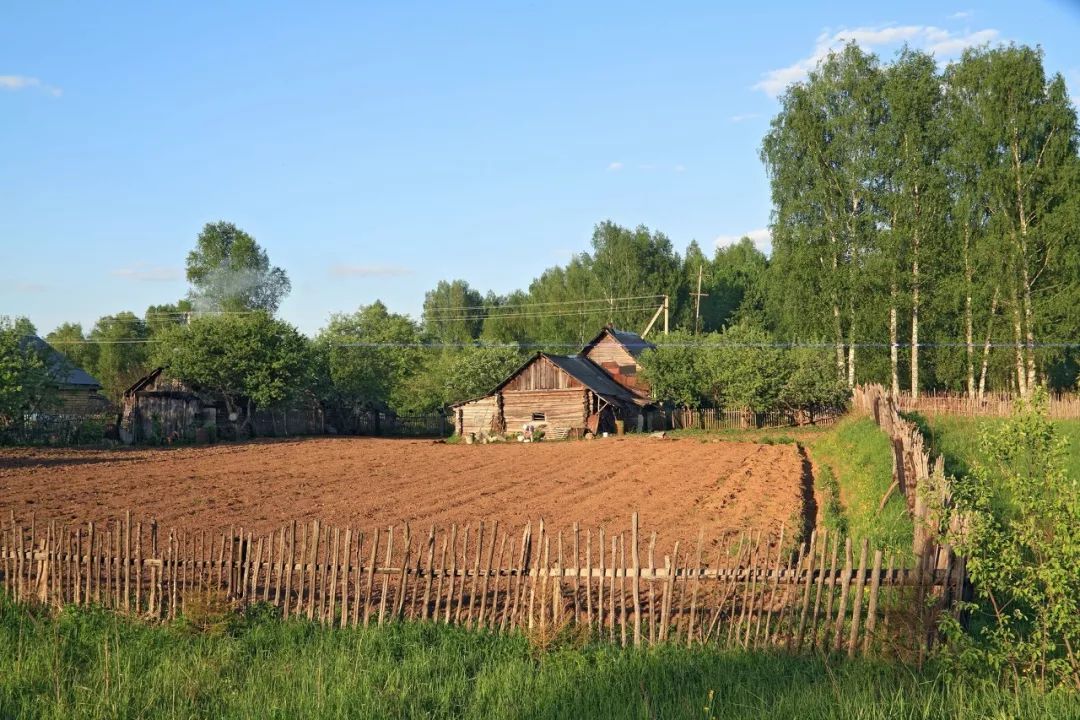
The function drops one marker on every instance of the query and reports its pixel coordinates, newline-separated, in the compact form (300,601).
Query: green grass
(957,438)
(91,664)
(857,455)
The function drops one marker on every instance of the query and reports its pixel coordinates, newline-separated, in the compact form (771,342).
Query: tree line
(924,235)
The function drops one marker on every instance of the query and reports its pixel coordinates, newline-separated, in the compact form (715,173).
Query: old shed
(557,392)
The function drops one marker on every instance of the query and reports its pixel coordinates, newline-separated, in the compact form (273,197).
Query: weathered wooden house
(159,407)
(78,392)
(564,393)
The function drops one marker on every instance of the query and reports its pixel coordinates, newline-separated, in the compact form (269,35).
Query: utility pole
(666,308)
(656,315)
(697,303)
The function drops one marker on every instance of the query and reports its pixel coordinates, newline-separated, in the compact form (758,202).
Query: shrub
(1021,537)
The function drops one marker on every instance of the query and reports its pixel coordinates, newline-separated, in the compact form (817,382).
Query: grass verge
(857,456)
(92,664)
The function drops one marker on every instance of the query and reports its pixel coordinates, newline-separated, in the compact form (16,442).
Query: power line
(606,301)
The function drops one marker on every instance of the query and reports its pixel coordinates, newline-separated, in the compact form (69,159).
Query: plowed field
(678,486)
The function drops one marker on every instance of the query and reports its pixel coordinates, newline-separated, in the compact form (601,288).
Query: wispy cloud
(142,272)
(23,82)
(30,287)
(962,15)
(345,270)
(744,117)
(761,238)
(938,41)
(679,168)
(615,166)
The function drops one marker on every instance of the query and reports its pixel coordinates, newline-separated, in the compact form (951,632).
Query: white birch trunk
(986,346)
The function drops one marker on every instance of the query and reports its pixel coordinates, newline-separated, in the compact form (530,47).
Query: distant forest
(925,235)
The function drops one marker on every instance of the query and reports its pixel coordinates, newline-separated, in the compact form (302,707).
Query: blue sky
(374,149)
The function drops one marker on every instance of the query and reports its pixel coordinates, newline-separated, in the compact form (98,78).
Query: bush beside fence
(753,591)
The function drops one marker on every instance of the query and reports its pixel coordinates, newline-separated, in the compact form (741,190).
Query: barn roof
(634,343)
(591,376)
(61,369)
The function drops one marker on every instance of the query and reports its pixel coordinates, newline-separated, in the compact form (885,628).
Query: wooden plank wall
(563,409)
(478,416)
(541,374)
(829,594)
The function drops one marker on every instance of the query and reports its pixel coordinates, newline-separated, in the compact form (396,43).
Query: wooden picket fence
(1060,406)
(829,594)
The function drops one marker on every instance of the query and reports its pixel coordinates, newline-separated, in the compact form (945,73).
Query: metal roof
(591,376)
(60,368)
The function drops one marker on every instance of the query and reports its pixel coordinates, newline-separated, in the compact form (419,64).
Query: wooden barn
(564,393)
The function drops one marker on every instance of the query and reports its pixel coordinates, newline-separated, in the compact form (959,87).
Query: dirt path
(678,486)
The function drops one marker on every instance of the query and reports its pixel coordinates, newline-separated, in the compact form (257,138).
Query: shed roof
(60,368)
(634,343)
(591,376)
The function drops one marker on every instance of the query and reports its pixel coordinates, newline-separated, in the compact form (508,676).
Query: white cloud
(22,82)
(615,166)
(938,41)
(679,168)
(743,117)
(343,270)
(141,272)
(761,238)
(30,287)
(962,15)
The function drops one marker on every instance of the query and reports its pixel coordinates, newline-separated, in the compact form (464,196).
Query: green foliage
(121,357)
(1020,532)
(26,387)
(248,360)
(740,367)
(370,356)
(91,664)
(453,312)
(456,374)
(229,271)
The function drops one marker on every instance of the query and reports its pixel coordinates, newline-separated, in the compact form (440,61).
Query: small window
(539,417)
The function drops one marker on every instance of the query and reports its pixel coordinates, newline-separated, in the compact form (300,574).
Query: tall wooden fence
(1060,406)
(828,594)
(713,419)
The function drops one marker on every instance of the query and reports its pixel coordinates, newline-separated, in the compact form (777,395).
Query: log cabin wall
(561,409)
(478,416)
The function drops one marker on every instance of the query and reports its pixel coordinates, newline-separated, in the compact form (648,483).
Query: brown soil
(678,486)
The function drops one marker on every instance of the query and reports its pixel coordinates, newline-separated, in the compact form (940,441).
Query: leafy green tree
(453,312)
(26,387)
(745,369)
(159,317)
(371,356)
(229,271)
(1020,133)
(249,361)
(819,154)
(122,354)
(1020,533)
(676,370)
(811,383)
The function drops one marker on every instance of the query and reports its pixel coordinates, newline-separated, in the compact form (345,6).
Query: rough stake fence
(1060,406)
(755,592)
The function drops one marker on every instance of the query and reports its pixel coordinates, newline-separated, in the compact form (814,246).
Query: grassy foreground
(91,664)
